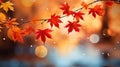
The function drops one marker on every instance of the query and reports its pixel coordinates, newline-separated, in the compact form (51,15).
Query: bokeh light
(41,51)
(94,38)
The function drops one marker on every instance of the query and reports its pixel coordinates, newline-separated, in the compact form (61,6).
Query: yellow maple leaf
(2,18)
(7,6)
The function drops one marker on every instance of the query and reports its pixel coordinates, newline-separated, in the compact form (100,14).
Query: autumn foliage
(97,10)
(15,33)
(54,20)
(73,26)
(43,34)
(66,9)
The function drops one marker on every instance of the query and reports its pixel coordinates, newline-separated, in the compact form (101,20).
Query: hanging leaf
(78,15)
(54,20)
(65,7)
(10,23)
(73,26)
(43,34)
(14,33)
(7,6)
(97,10)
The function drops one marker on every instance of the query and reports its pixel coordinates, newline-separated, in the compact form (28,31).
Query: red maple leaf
(54,20)
(65,6)
(66,9)
(43,34)
(78,15)
(73,26)
(97,10)
(18,37)
(109,3)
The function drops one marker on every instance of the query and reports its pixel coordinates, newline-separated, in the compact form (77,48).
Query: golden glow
(41,51)
(27,3)
(114,22)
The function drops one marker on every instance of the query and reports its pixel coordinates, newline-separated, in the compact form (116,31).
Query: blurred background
(96,45)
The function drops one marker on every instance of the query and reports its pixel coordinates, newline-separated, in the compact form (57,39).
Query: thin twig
(79,9)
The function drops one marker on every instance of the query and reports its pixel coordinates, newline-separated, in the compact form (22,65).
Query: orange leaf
(10,23)
(14,33)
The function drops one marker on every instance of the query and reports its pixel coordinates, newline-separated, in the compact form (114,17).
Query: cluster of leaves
(15,33)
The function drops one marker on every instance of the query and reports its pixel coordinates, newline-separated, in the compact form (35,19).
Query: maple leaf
(6,6)
(10,23)
(54,20)
(65,7)
(14,33)
(2,18)
(78,15)
(73,26)
(109,3)
(28,31)
(43,34)
(97,10)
